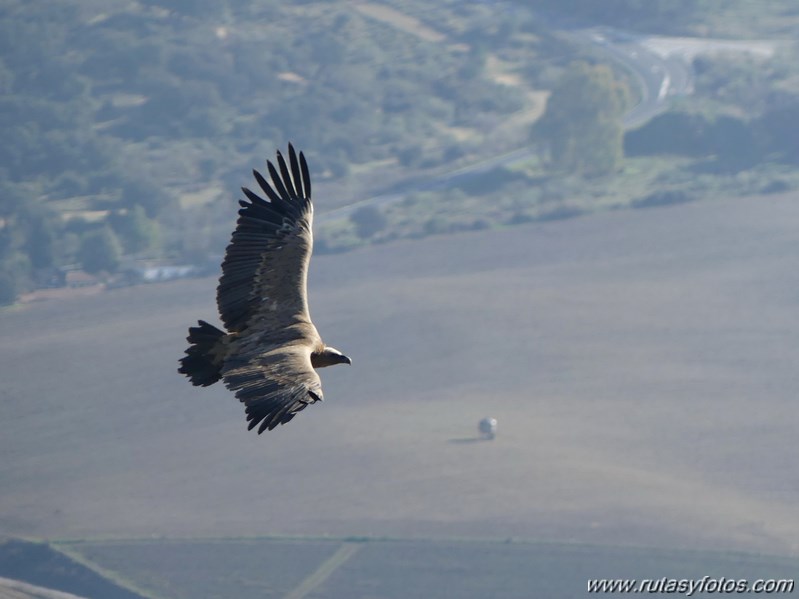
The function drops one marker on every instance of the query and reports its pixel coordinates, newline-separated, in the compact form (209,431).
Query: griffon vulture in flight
(271,350)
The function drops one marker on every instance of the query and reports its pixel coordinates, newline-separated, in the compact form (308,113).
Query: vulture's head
(328,357)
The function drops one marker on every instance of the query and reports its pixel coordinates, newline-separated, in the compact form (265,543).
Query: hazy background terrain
(619,292)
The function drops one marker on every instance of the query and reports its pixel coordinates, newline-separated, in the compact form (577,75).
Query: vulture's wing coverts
(266,263)
(271,350)
(275,386)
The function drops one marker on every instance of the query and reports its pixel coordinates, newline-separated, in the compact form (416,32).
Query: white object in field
(488,428)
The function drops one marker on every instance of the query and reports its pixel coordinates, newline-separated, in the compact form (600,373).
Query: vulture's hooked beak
(345,359)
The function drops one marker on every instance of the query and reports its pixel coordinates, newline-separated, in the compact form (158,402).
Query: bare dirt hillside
(641,365)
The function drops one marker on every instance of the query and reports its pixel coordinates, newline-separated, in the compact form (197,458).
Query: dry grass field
(641,365)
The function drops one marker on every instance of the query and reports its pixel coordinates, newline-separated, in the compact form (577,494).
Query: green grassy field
(640,364)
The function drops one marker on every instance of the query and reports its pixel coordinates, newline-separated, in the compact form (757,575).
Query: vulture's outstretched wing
(274,386)
(265,268)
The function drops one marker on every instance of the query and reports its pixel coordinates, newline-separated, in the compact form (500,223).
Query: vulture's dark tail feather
(202,362)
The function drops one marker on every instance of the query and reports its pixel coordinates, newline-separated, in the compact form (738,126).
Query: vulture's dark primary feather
(271,350)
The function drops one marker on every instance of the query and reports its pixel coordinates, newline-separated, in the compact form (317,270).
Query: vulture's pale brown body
(271,349)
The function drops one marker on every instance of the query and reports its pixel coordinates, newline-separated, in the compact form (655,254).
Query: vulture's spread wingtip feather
(278,184)
(286,177)
(306,177)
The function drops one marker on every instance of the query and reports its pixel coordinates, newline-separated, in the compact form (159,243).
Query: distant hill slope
(14,589)
(117,104)
(26,568)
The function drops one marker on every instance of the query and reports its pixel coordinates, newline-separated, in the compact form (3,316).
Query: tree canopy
(100,251)
(581,129)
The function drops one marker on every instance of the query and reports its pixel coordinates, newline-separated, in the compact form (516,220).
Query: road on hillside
(659,79)
(660,76)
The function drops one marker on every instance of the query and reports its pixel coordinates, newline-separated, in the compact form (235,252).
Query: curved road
(658,78)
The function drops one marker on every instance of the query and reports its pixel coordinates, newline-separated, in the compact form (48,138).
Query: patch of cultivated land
(258,568)
(36,570)
(243,568)
(641,365)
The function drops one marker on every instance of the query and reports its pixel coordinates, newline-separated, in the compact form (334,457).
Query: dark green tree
(673,132)
(136,232)
(39,229)
(142,192)
(777,127)
(581,129)
(8,288)
(100,251)
(735,143)
(368,221)
(15,268)
(12,197)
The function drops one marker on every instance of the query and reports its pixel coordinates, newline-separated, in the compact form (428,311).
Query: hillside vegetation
(136,117)
(128,126)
